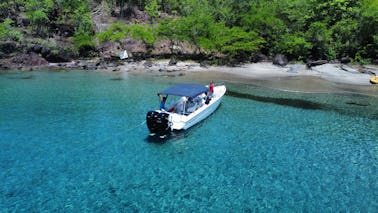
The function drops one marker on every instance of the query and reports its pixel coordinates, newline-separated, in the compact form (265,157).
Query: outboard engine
(158,123)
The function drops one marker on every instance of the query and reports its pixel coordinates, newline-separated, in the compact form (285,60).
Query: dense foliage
(8,32)
(300,29)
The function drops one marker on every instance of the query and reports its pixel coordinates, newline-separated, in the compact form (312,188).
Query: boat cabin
(186,98)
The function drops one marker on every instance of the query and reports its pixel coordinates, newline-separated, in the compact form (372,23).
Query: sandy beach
(327,78)
(292,75)
(337,73)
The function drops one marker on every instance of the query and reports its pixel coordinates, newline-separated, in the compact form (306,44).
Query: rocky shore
(333,72)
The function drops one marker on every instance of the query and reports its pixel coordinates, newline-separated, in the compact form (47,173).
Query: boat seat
(191,109)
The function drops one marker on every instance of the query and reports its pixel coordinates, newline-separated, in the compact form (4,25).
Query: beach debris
(123,55)
(316,63)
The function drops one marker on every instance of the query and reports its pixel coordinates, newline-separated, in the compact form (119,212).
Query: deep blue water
(77,141)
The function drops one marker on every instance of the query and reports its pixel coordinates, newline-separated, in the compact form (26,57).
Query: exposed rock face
(54,55)
(180,49)
(185,48)
(137,48)
(162,48)
(7,48)
(110,50)
(31,59)
(134,15)
(280,60)
(57,57)
(64,30)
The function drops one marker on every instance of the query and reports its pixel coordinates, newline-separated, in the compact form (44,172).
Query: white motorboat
(191,103)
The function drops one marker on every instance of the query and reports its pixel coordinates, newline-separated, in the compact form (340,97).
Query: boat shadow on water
(298,103)
(350,107)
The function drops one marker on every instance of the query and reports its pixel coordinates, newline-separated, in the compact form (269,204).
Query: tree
(321,38)
(345,38)
(294,46)
(263,18)
(368,30)
(36,11)
(7,32)
(237,42)
(152,9)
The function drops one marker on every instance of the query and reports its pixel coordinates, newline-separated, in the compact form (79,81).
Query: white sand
(330,72)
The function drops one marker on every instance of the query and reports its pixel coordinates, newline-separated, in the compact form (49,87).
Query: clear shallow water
(76,141)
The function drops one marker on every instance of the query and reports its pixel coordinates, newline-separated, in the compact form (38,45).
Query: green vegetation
(234,29)
(7,32)
(118,31)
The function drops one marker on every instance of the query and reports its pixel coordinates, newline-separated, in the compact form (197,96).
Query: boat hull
(185,122)
(161,122)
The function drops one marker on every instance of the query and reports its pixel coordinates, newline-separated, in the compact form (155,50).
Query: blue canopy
(188,90)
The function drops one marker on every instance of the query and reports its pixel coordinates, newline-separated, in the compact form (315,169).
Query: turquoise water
(77,141)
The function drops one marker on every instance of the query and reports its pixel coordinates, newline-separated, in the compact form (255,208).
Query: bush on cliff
(7,32)
(119,31)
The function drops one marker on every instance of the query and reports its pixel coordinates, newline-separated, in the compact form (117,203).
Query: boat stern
(158,122)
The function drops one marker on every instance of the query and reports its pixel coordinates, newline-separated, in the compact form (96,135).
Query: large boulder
(51,54)
(258,57)
(345,60)
(31,59)
(137,48)
(110,50)
(185,48)
(280,60)
(162,48)
(59,56)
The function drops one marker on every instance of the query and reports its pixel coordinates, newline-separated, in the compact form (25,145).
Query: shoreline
(357,75)
(336,73)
